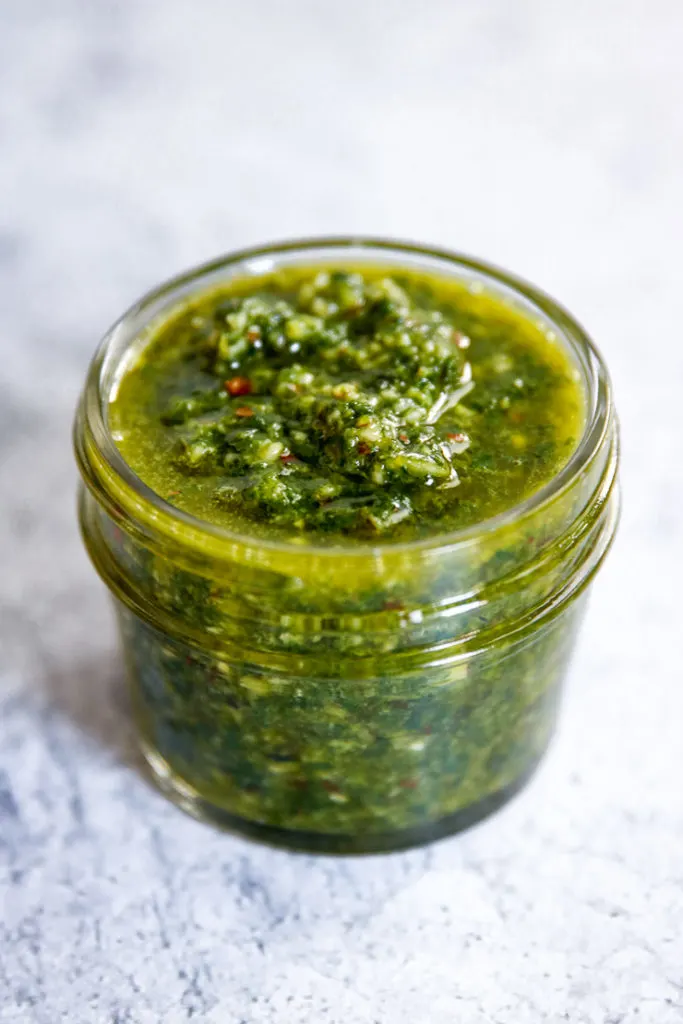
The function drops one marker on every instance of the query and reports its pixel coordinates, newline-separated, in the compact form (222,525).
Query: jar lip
(599,411)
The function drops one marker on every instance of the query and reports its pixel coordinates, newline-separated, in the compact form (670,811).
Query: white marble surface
(139,136)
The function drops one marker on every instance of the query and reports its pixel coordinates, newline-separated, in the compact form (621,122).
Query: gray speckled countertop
(138,137)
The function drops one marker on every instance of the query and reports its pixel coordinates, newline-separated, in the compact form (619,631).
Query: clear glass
(346,698)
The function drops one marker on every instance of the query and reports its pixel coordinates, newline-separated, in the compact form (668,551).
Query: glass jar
(349,698)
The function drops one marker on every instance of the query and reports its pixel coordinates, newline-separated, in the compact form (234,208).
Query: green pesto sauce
(347,402)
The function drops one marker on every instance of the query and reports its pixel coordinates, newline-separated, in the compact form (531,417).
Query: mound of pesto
(347,402)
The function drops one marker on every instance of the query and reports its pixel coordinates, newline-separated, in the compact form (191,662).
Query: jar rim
(130,491)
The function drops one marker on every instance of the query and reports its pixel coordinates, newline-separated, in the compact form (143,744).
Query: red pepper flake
(515,416)
(253,334)
(244,412)
(331,787)
(393,605)
(408,784)
(404,438)
(363,448)
(238,386)
(287,457)
(172,494)
(459,438)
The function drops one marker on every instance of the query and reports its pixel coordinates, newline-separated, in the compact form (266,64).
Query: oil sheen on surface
(336,404)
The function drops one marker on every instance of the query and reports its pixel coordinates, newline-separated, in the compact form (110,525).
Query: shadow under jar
(349,696)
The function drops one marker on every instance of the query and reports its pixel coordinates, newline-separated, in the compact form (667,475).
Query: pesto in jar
(347,403)
(338,670)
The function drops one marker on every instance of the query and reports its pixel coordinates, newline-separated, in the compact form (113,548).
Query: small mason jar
(353,697)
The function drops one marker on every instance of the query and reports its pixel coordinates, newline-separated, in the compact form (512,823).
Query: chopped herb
(377,409)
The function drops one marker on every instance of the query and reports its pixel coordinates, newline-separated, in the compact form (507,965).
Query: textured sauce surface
(347,402)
